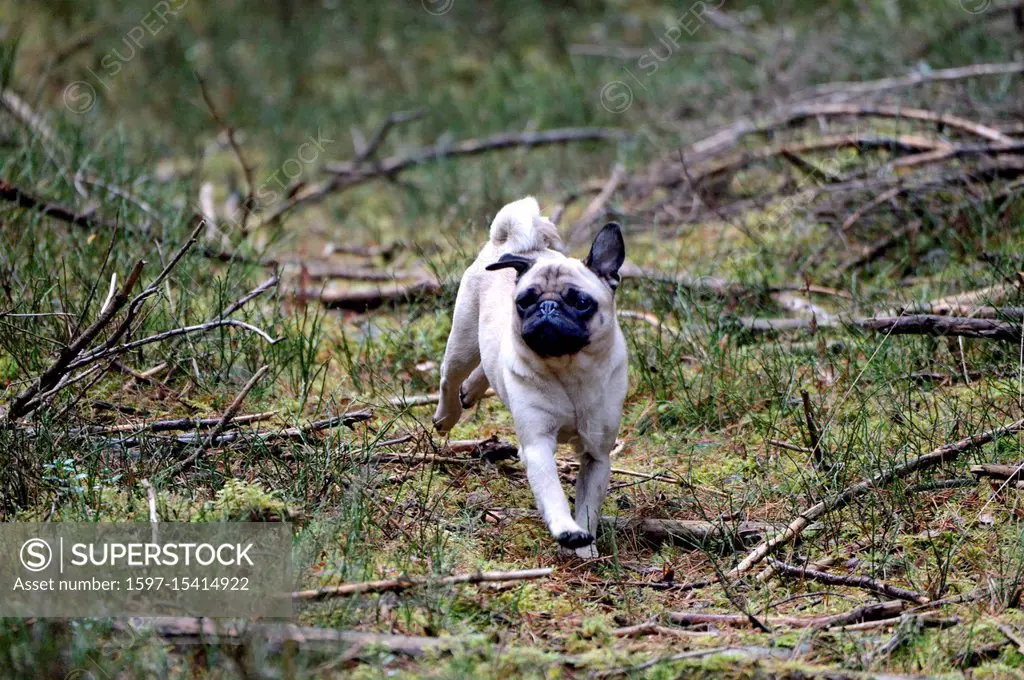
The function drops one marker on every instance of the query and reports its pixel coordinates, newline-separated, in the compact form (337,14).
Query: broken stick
(862,582)
(399,584)
(944,454)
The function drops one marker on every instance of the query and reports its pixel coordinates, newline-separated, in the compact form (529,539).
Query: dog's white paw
(446,418)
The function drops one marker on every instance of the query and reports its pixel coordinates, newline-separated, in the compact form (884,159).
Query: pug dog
(540,328)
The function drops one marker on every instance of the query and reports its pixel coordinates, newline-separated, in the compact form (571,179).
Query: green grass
(703,403)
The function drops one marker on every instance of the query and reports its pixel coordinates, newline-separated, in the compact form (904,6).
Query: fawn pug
(540,328)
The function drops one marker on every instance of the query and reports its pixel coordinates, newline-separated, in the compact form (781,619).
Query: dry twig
(862,582)
(400,584)
(944,454)
(856,89)
(277,637)
(250,186)
(222,425)
(353,173)
(12,194)
(871,612)
(693,532)
(27,401)
(581,228)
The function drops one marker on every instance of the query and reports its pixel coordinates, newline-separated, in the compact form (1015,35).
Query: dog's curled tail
(520,228)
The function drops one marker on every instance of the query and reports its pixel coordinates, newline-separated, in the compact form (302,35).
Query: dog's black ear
(506,261)
(607,254)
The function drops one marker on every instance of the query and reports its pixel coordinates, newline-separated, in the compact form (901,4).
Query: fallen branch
(924,324)
(234,408)
(655,628)
(400,584)
(861,582)
(946,305)
(332,272)
(386,251)
(922,620)
(984,312)
(484,448)
(943,484)
(346,419)
(729,137)
(180,424)
(407,401)
(76,356)
(912,324)
(944,454)
(413,458)
(397,118)
(1010,634)
(293,433)
(877,249)
(251,295)
(1002,473)
(784,325)
(581,228)
(277,637)
(353,173)
(693,533)
(878,200)
(789,447)
(647,318)
(264,438)
(946,153)
(26,401)
(23,199)
(854,88)
(939,119)
(372,298)
(799,305)
(219,428)
(167,335)
(671,585)
(746,653)
(872,612)
(19,109)
(914,144)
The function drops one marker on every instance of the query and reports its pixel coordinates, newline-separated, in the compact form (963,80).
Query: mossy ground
(706,399)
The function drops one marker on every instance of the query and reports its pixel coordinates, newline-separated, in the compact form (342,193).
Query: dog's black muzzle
(550,332)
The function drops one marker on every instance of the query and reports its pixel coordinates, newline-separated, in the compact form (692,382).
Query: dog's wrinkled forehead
(558,276)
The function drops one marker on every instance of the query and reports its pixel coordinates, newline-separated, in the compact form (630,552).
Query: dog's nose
(548,307)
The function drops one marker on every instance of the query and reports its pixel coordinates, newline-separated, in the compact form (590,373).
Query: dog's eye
(578,300)
(527,300)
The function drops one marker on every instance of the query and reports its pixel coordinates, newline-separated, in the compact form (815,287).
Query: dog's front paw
(445,419)
(587,552)
(574,539)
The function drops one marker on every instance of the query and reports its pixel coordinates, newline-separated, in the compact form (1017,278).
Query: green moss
(240,501)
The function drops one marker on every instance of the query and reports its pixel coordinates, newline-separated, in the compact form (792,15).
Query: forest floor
(819,459)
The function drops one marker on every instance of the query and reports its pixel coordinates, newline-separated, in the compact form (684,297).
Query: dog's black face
(555,325)
(564,305)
